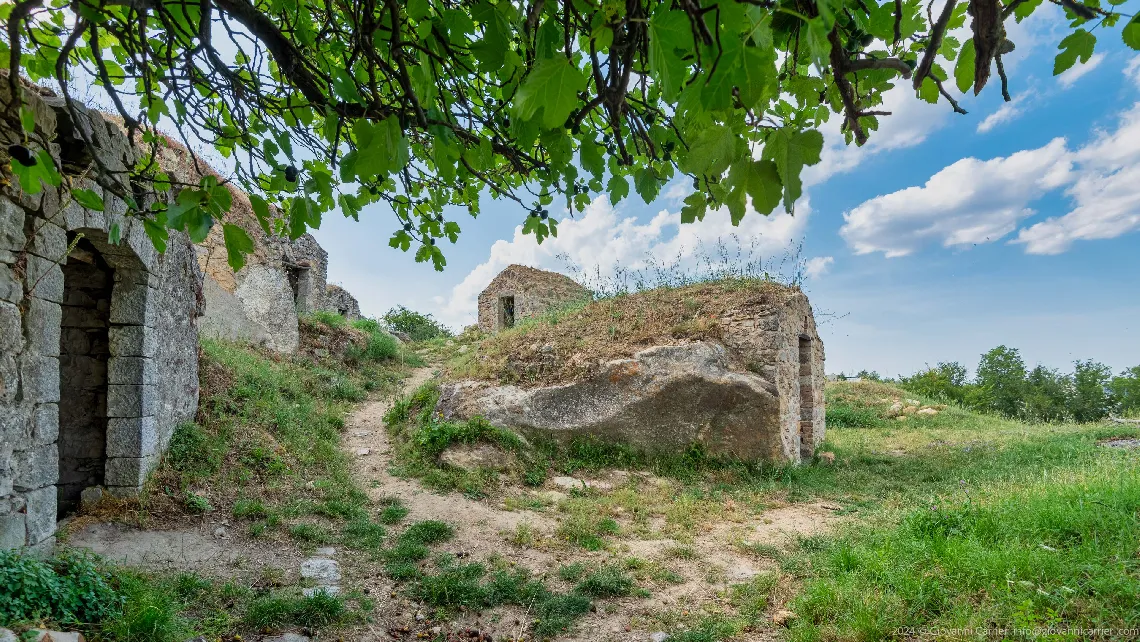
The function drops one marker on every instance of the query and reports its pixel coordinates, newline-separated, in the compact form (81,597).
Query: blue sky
(943,237)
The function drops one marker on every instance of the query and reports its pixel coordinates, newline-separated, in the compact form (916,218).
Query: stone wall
(98,347)
(339,300)
(282,280)
(768,341)
(532,292)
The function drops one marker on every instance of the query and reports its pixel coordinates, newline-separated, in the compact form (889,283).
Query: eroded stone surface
(663,400)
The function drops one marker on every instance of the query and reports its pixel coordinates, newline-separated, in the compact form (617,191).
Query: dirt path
(479,525)
(484,529)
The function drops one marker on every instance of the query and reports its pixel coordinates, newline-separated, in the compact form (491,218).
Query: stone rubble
(323,570)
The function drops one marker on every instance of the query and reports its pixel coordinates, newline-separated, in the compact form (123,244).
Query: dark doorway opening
(299,282)
(807,400)
(506,312)
(84,352)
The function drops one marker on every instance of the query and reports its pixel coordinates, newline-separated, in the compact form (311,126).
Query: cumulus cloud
(818,266)
(970,201)
(604,239)
(973,201)
(1070,77)
(1106,201)
(1004,114)
(1132,70)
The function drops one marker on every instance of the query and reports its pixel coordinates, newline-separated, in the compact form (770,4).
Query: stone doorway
(807,400)
(84,354)
(506,312)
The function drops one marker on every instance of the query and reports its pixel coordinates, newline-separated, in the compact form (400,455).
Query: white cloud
(1070,77)
(818,266)
(973,201)
(970,201)
(1132,70)
(603,240)
(1005,113)
(1106,201)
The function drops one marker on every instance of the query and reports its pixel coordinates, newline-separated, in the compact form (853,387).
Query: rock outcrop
(663,400)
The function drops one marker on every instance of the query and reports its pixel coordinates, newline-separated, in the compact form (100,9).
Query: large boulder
(664,399)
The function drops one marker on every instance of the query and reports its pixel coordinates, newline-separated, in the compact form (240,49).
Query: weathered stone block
(7,469)
(123,492)
(50,241)
(72,216)
(133,370)
(95,220)
(132,341)
(13,424)
(45,423)
(13,531)
(41,514)
(131,400)
(11,290)
(39,378)
(11,329)
(35,467)
(42,326)
(12,237)
(142,246)
(132,437)
(44,279)
(133,304)
(128,472)
(9,381)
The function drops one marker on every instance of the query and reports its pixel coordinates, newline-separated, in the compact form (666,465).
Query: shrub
(428,532)
(1126,390)
(381,345)
(70,588)
(149,613)
(418,326)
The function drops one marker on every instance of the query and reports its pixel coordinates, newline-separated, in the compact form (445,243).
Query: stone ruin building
(519,292)
(750,387)
(99,344)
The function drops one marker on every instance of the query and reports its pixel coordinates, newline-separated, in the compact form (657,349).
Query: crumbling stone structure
(519,292)
(260,304)
(98,345)
(340,301)
(282,278)
(737,370)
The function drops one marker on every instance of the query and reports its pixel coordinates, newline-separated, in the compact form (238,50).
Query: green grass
(267,448)
(74,591)
(421,436)
(1056,551)
(606,581)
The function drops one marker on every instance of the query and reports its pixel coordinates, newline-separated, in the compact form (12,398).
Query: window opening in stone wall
(807,400)
(84,353)
(506,312)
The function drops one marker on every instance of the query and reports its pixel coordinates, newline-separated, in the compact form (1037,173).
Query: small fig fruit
(291,174)
(23,155)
